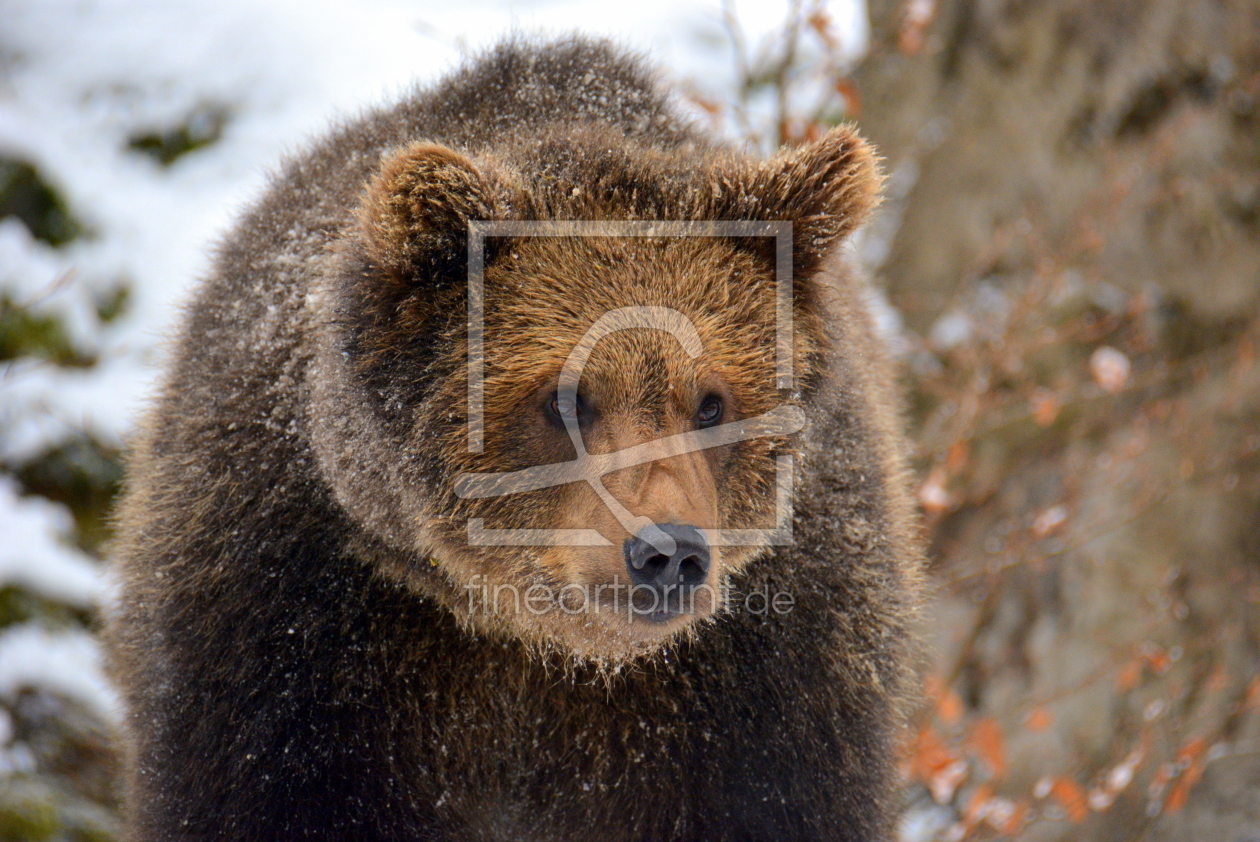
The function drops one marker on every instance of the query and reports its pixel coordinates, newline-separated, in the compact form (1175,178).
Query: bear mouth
(654,610)
(661,616)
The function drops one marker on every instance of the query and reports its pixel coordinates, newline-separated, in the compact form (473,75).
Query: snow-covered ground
(80,78)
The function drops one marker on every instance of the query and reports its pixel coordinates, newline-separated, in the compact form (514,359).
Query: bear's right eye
(566,405)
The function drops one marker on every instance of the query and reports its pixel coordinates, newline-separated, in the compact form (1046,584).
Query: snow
(65,661)
(80,78)
(32,555)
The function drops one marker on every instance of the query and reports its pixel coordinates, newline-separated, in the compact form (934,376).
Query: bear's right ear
(414,218)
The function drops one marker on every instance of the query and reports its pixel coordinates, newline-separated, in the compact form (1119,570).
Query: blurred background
(1067,264)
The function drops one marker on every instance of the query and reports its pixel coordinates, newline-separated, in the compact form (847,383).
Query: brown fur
(295,637)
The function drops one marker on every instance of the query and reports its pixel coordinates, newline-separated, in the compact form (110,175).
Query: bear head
(548,381)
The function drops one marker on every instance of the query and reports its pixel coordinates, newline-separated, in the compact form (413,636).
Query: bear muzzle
(667,564)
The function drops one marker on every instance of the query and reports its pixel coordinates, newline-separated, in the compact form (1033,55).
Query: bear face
(691,349)
(627,405)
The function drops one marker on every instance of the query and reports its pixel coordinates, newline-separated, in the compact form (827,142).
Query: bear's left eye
(710,411)
(567,404)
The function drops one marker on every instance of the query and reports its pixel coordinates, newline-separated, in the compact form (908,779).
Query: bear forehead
(550,291)
(543,295)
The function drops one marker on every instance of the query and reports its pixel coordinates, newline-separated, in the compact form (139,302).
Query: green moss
(27,820)
(113,304)
(91,834)
(83,474)
(203,127)
(25,195)
(26,334)
(21,606)
(34,808)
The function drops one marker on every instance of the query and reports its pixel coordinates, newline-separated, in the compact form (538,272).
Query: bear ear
(414,218)
(827,189)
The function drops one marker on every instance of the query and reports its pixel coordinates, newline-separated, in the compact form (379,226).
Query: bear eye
(710,411)
(566,404)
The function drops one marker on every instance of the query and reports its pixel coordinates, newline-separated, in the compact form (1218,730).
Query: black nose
(680,571)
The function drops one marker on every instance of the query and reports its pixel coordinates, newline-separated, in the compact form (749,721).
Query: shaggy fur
(298,652)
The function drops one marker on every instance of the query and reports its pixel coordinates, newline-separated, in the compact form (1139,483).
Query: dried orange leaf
(1252,697)
(1181,789)
(956,457)
(930,755)
(707,105)
(852,98)
(1003,815)
(978,804)
(949,707)
(987,742)
(1070,797)
(1128,676)
(1038,719)
(1191,751)
(1158,658)
(945,782)
(1045,406)
(820,22)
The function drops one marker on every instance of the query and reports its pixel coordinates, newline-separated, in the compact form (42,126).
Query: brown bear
(526,469)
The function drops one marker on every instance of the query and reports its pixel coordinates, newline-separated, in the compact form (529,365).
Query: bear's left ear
(826,188)
(414,218)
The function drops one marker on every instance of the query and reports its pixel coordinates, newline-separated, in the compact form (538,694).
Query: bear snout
(664,574)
